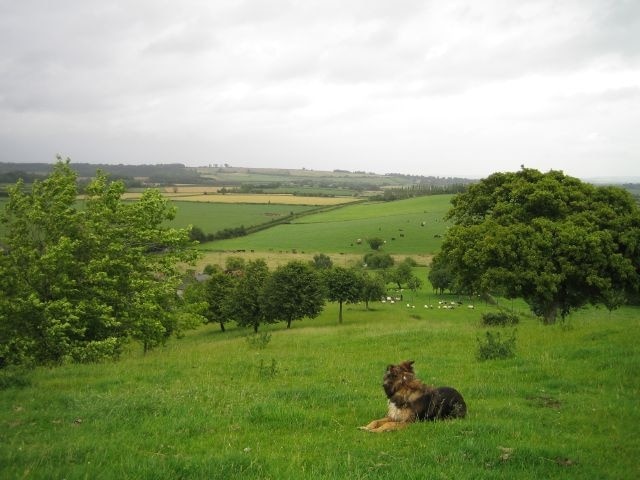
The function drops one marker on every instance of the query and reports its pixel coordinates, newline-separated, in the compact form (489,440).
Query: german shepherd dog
(411,400)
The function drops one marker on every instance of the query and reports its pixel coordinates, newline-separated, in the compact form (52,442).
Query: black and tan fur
(410,400)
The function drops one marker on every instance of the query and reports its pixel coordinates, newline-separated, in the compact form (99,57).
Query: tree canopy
(292,292)
(79,280)
(247,305)
(555,241)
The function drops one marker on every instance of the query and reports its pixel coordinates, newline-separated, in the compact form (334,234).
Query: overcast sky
(446,88)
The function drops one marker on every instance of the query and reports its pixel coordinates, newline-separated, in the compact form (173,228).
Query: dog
(410,400)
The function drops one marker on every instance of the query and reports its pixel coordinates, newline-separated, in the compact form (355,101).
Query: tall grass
(207,406)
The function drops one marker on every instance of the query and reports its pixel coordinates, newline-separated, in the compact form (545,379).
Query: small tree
(292,292)
(246,300)
(375,243)
(402,273)
(374,288)
(322,261)
(414,284)
(235,264)
(343,285)
(440,275)
(378,260)
(218,293)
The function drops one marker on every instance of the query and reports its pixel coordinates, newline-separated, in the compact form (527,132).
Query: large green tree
(555,241)
(293,291)
(78,282)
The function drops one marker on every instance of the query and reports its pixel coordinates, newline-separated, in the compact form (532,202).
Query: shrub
(375,243)
(500,319)
(266,371)
(258,340)
(98,351)
(494,347)
(378,260)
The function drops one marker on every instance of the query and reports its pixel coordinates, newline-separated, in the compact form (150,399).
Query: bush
(378,260)
(98,351)
(499,319)
(375,243)
(258,340)
(266,371)
(494,347)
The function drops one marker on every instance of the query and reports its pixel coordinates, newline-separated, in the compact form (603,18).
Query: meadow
(413,226)
(212,406)
(213,217)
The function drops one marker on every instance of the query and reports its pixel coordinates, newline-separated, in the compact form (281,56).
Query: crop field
(258,198)
(413,226)
(251,198)
(212,406)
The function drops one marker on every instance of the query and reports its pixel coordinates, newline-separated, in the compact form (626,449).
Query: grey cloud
(143,76)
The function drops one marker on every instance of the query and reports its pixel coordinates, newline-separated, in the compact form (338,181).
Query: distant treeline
(400,193)
(131,175)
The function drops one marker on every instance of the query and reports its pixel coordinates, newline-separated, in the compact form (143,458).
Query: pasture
(211,406)
(218,216)
(413,226)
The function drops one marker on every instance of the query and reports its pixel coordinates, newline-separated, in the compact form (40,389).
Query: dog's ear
(408,365)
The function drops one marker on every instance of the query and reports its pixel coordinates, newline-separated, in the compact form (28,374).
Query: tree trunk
(289,323)
(550,314)
(340,314)
(255,328)
(222,326)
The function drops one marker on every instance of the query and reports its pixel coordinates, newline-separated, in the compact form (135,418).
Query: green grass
(204,407)
(400,223)
(212,217)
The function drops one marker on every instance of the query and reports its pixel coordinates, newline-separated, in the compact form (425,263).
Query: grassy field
(210,406)
(218,216)
(412,226)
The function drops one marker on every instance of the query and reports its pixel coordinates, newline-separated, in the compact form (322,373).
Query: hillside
(211,406)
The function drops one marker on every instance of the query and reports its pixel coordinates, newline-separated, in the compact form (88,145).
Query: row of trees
(251,295)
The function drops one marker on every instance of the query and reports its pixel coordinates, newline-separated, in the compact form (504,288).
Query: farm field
(218,216)
(211,406)
(251,198)
(412,226)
